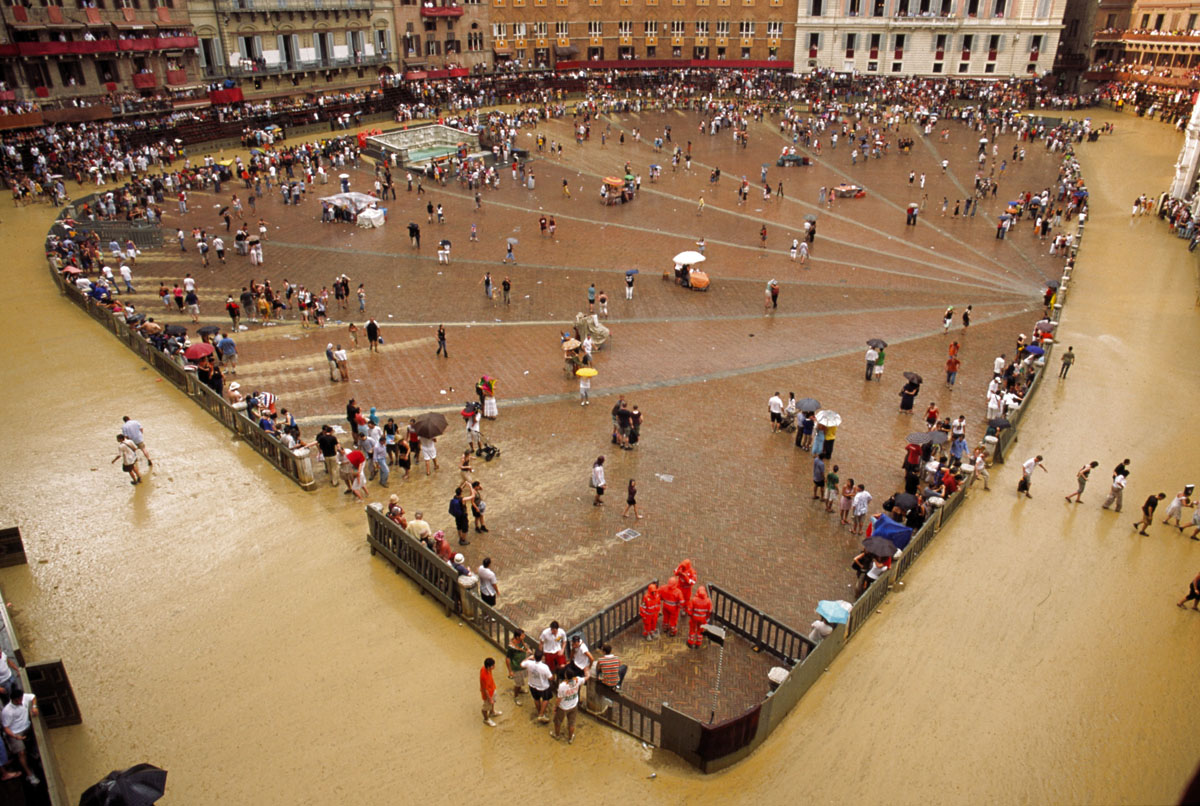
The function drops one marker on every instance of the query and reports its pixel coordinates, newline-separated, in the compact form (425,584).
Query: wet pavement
(239,599)
(699,365)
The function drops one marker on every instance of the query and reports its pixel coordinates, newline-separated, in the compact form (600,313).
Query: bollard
(304,468)
(466,586)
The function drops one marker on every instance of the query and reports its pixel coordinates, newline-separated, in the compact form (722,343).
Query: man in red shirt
(952,365)
(487,688)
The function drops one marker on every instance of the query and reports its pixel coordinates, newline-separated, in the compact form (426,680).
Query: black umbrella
(430,425)
(1052,284)
(444,242)
(905,501)
(808,404)
(879,546)
(175,330)
(934,437)
(209,330)
(999,422)
(141,785)
(878,344)
(914,377)
(223,211)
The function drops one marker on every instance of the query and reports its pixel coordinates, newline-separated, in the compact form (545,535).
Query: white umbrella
(829,419)
(688,258)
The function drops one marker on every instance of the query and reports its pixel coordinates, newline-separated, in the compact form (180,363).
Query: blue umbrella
(888,529)
(1035,350)
(833,612)
(656,167)
(631,271)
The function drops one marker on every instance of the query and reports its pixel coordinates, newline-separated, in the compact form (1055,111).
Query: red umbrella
(198,350)
(355,458)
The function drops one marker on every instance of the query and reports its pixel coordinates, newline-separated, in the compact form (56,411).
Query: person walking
(1116,494)
(441,340)
(508,255)
(506,286)
(1175,508)
(133,432)
(979,468)
(1193,594)
(629,285)
(597,481)
(585,385)
(1081,478)
(952,365)
(487,688)
(1027,469)
(591,298)
(486,282)
(1148,508)
(1067,360)
(872,356)
(775,410)
(127,453)
(631,501)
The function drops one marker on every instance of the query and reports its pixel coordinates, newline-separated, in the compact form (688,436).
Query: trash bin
(466,593)
(304,468)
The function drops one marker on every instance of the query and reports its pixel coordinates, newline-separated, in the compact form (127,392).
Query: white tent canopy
(351,201)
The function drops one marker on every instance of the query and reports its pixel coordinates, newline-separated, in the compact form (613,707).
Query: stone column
(1188,164)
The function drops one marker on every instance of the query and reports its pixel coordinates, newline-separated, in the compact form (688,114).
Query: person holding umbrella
(428,427)
(585,375)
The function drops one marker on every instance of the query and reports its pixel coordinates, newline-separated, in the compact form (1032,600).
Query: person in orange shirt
(487,688)
(649,610)
(687,579)
(672,600)
(698,612)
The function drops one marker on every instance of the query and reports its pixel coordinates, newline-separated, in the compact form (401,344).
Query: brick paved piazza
(699,365)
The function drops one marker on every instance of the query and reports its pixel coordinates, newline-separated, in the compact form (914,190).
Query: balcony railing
(249,70)
(106,46)
(276,6)
(145,81)
(430,10)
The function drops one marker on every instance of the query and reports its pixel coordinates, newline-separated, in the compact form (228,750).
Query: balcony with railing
(58,17)
(250,69)
(140,45)
(145,81)
(277,6)
(431,9)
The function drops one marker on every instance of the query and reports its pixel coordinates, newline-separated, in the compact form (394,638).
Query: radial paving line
(559,267)
(651,320)
(718,375)
(1007,288)
(925,250)
(939,230)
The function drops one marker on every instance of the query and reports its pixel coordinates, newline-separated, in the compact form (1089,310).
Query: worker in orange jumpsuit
(672,600)
(698,612)
(651,605)
(687,580)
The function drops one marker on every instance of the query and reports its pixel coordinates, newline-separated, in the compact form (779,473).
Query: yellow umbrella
(586,372)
